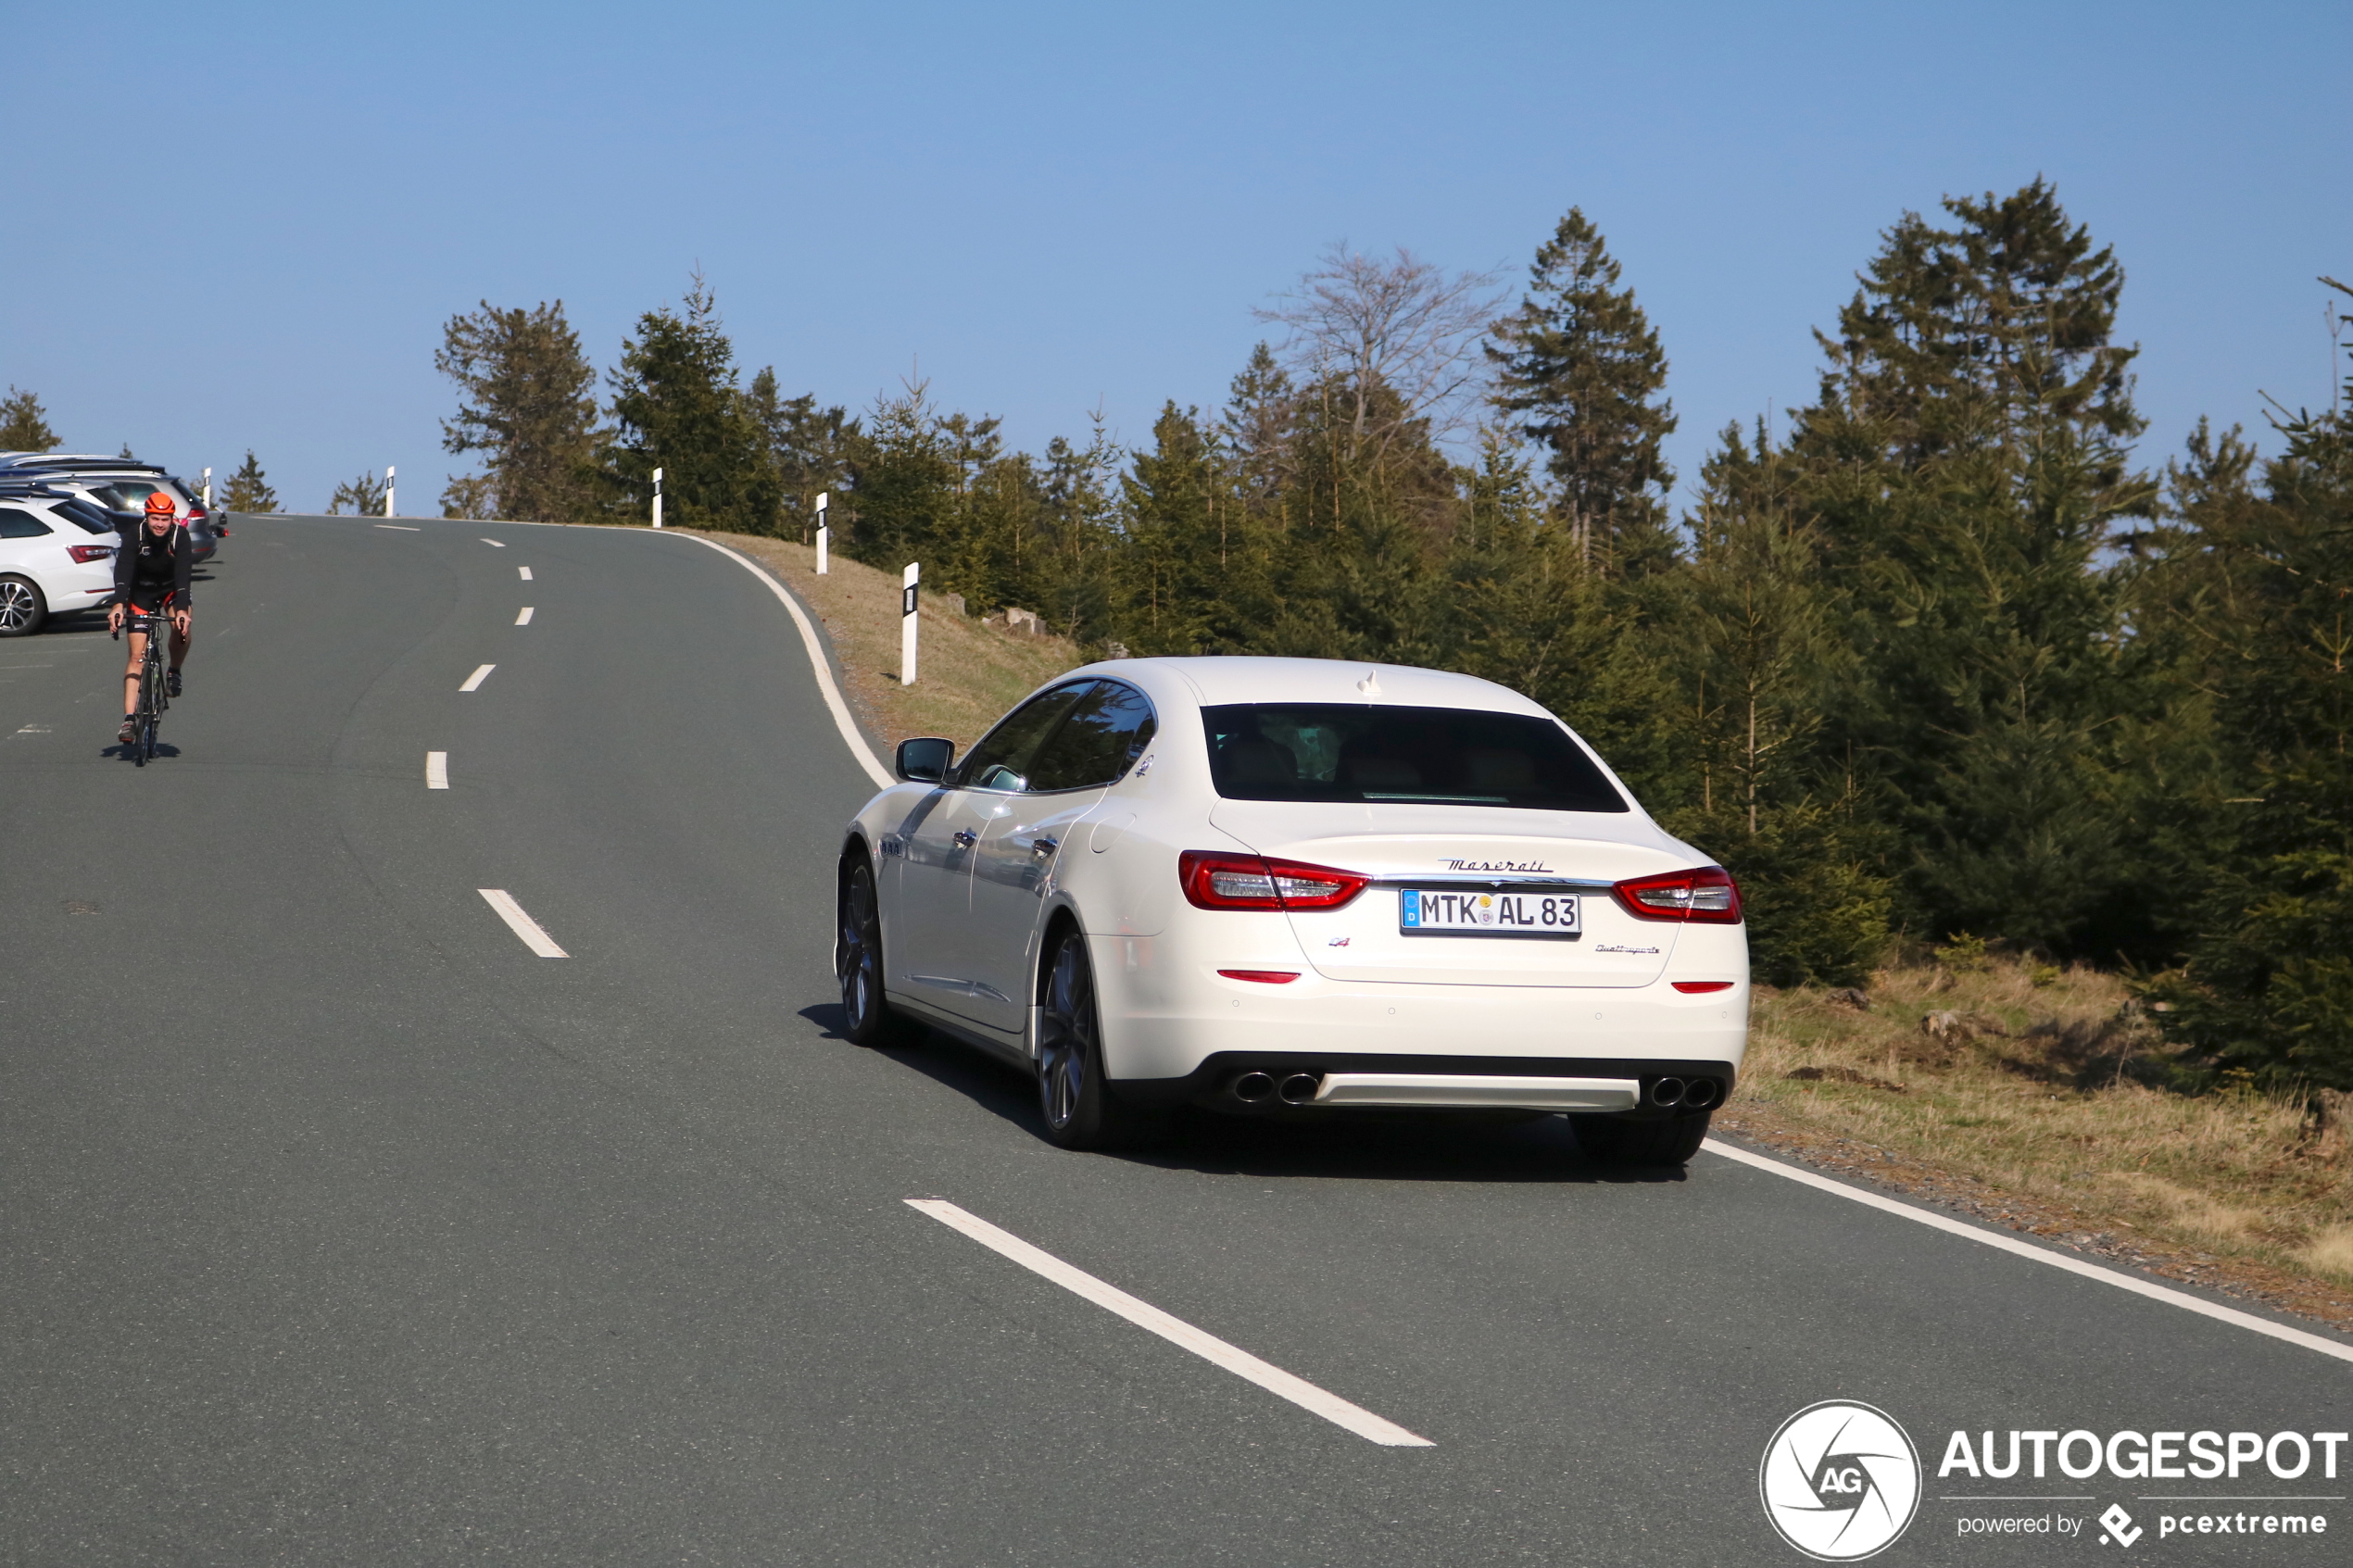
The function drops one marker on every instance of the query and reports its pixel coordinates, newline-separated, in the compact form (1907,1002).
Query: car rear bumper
(1307,1083)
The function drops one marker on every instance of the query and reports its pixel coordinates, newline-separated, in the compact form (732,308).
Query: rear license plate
(1424,911)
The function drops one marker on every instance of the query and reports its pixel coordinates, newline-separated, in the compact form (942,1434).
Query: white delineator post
(208,490)
(657,497)
(822,498)
(389,492)
(907,582)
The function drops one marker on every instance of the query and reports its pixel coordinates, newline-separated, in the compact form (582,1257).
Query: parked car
(121,487)
(56,555)
(1297,887)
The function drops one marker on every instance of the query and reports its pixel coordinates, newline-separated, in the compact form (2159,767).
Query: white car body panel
(964,926)
(66,584)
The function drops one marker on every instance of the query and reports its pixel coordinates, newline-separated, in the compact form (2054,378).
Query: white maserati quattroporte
(1296,887)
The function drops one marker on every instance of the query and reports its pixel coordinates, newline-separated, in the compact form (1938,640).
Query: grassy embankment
(969,671)
(2005,1088)
(2020,1108)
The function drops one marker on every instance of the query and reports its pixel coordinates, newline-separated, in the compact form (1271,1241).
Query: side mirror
(924,759)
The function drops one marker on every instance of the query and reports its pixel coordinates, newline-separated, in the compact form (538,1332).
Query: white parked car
(56,555)
(1296,887)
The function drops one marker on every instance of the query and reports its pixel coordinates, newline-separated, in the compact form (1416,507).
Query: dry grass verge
(2006,1090)
(970,672)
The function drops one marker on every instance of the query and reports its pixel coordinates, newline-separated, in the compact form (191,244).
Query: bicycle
(153,695)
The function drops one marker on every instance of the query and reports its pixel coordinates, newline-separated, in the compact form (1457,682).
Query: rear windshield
(130,495)
(1443,756)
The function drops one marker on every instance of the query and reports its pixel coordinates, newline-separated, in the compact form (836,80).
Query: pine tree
(364,496)
(24,424)
(2260,620)
(677,408)
(249,489)
(807,447)
(527,403)
(1965,461)
(1579,370)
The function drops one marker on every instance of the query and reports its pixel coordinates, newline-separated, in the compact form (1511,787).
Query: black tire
(23,609)
(1617,1141)
(1080,1109)
(868,1018)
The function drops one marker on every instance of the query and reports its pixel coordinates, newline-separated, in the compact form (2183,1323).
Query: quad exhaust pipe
(1258,1087)
(1696,1095)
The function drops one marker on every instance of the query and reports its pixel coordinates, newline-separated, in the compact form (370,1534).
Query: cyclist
(151,575)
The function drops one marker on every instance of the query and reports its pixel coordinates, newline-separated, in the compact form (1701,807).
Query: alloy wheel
(1066,1035)
(17,606)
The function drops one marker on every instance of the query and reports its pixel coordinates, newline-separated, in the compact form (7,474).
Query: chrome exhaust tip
(1299,1088)
(1667,1091)
(1254,1088)
(1699,1094)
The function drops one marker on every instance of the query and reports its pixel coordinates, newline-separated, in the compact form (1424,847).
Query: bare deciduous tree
(1401,323)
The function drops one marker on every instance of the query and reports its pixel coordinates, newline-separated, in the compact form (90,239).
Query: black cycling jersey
(146,568)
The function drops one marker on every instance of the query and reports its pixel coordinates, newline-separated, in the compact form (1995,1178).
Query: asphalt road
(336,1227)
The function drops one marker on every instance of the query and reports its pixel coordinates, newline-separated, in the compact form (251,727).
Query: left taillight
(1707,896)
(85,554)
(1215,880)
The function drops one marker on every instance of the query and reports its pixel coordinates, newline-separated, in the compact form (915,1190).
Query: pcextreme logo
(1840,1481)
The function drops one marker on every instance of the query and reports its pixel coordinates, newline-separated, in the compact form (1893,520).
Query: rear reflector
(1263,976)
(1215,880)
(1699,986)
(1706,896)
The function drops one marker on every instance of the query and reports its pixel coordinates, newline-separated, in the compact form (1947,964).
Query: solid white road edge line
(477,678)
(521,925)
(400,528)
(526,571)
(1178,1332)
(495,544)
(842,721)
(522,616)
(436,770)
(2132,1283)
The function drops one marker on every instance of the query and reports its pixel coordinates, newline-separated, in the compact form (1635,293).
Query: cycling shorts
(151,598)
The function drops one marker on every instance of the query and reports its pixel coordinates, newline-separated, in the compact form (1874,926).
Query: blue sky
(243,226)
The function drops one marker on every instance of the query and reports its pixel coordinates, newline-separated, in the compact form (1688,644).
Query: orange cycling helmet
(160,502)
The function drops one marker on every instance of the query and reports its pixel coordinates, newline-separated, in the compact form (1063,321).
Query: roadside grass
(2016,1083)
(969,672)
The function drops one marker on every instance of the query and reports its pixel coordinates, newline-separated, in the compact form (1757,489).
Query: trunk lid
(1513,861)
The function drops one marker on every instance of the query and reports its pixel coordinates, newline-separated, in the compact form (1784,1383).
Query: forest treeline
(1940,652)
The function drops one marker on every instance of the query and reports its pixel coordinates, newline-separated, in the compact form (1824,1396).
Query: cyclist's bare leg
(180,646)
(138,641)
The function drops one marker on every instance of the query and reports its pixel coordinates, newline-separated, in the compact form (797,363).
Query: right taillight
(1708,895)
(1215,880)
(85,554)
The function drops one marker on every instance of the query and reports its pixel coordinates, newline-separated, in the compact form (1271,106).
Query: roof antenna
(1370,684)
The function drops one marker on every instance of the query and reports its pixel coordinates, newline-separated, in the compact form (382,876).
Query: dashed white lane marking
(522,616)
(1177,1331)
(477,678)
(521,925)
(524,571)
(2132,1283)
(436,770)
(400,528)
(495,543)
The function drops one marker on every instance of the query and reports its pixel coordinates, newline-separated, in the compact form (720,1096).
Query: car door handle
(1044,845)
(964,839)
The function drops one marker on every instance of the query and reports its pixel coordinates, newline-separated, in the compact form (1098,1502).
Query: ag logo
(1840,1481)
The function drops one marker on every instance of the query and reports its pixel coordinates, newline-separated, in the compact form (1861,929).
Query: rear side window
(130,495)
(84,516)
(1002,759)
(1368,755)
(17,524)
(1098,741)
